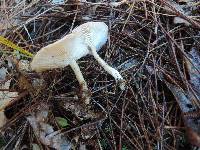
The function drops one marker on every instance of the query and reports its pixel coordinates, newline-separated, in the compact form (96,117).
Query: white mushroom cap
(98,32)
(71,47)
(60,53)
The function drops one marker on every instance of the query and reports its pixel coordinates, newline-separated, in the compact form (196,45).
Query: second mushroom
(86,39)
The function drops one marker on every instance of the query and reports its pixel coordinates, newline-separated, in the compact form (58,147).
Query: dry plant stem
(81,80)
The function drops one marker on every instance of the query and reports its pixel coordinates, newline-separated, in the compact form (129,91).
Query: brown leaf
(5,99)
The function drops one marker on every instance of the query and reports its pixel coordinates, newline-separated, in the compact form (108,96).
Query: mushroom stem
(81,81)
(108,68)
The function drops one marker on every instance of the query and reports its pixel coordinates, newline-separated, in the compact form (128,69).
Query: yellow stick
(14,46)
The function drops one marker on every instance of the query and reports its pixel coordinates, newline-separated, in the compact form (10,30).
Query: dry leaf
(116,4)
(3,118)
(186,10)
(3,72)
(5,98)
(194,70)
(45,131)
(186,99)
(58,2)
(178,20)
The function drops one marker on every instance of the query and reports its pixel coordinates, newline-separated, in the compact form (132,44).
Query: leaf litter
(158,57)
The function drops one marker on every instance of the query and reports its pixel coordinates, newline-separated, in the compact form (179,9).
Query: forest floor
(154,44)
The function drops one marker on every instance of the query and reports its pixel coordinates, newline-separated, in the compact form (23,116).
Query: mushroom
(86,39)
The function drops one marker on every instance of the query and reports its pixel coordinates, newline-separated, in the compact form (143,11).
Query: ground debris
(45,131)
(188,100)
(185,10)
(6,98)
(157,57)
(193,67)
